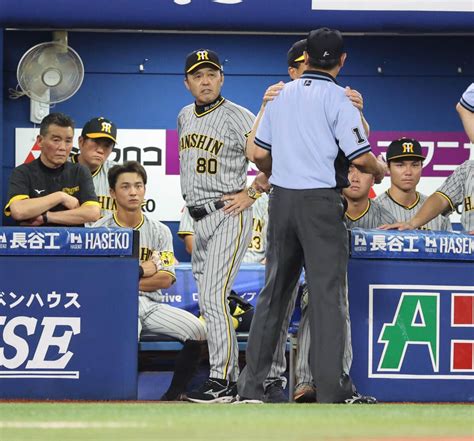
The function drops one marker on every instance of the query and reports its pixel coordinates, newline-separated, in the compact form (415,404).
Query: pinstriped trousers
(304,226)
(220,243)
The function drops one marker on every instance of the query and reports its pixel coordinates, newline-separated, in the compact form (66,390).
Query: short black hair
(58,119)
(324,64)
(126,167)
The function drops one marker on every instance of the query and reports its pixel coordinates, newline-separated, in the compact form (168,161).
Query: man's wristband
(45,217)
(141,272)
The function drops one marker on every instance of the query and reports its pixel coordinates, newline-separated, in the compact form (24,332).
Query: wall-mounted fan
(50,72)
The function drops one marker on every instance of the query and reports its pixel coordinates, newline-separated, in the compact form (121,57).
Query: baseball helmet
(242,312)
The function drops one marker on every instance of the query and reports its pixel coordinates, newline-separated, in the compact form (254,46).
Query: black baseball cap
(202,58)
(325,44)
(295,54)
(100,127)
(404,148)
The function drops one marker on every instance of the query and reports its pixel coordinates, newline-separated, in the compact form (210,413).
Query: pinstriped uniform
(213,141)
(404,214)
(185,224)
(213,163)
(101,185)
(156,317)
(256,253)
(256,250)
(374,216)
(459,189)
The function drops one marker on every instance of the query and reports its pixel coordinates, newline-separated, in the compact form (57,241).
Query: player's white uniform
(213,163)
(101,185)
(156,317)
(256,250)
(374,216)
(459,189)
(404,214)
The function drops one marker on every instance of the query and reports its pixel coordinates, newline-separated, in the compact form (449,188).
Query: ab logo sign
(421,332)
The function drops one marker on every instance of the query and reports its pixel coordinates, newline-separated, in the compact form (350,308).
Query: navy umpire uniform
(306,139)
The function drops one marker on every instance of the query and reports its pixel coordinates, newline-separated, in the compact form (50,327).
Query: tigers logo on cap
(100,127)
(404,148)
(201,58)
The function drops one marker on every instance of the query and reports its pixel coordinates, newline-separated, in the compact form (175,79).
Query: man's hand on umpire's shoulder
(272,92)
(356,98)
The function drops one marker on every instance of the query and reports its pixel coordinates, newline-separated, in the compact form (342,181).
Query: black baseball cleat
(214,390)
(274,393)
(357,398)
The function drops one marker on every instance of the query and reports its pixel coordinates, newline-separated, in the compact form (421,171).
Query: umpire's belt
(200,211)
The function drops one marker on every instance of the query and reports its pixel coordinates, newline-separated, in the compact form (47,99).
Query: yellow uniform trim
(202,62)
(185,233)
(353,219)
(447,198)
(136,227)
(91,203)
(409,207)
(229,325)
(407,156)
(169,273)
(210,110)
(100,135)
(18,197)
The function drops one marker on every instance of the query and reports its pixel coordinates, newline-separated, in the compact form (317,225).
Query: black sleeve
(86,185)
(19,183)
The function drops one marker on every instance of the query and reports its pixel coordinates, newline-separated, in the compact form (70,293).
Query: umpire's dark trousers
(305,227)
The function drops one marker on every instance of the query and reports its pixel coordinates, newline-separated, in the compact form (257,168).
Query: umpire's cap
(201,58)
(100,127)
(325,44)
(295,54)
(404,148)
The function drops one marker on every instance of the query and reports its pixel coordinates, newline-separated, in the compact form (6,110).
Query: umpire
(305,140)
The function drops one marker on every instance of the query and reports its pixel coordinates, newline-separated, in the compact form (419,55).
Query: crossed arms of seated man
(30,211)
(152,278)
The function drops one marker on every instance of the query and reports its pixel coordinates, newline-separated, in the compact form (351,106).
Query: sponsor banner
(50,241)
(158,151)
(412,329)
(421,332)
(418,244)
(394,5)
(56,317)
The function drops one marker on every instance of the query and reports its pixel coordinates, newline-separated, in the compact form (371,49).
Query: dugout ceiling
(432,16)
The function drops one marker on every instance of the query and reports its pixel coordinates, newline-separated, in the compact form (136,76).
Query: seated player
(361,211)
(97,140)
(405,162)
(127,187)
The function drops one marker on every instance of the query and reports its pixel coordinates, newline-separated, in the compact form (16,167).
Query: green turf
(288,422)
